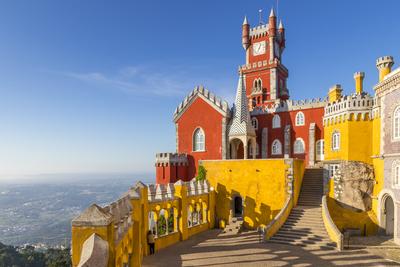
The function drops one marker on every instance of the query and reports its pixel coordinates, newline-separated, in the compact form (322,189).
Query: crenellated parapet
(289,105)
(349,107)
(171,159)
(116,234)
(199,91)
(161,192)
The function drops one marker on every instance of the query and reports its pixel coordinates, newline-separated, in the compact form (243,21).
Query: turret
(245,34)
(335,93)
(272,34)
(384,65)
(359,77)
(281,31)
(272,23)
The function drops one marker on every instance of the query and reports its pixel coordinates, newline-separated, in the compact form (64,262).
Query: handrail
(334,234)
(279,219)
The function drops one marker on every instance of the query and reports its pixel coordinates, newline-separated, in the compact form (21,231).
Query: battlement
(260,64)
(354,106)
(289,105)
(220,105)
(259,31)
(197,187)
(385,61)
(171,159)
(160,192)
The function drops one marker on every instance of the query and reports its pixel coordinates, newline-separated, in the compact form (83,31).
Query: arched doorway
(236,149)
(389,215)
(238,206)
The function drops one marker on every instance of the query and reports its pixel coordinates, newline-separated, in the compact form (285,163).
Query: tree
(201,173)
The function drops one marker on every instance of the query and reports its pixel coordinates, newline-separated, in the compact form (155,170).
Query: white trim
(254,123)
(297,141)
(321,149)
(194,141)
(396,174)
(396,124)
(300,119)
(335,141)
(276,122)
(279,148)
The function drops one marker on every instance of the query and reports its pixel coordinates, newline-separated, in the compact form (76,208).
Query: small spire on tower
(272,14)
(245,22)
(280,25)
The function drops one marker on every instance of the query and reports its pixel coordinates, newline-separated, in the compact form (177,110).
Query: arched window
(396,123)
(198,140)
(276,147)
(276,121)
(335,140)
(257,84)
(396,174)
(300,118)
(254,122)
(298,147)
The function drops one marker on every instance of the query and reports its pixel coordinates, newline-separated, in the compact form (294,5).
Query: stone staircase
(304,226)
(234,227)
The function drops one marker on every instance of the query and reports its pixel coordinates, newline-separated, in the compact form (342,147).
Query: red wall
(171,173)
(311,115)
(200,114)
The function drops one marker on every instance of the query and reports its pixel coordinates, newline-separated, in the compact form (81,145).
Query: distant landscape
(41,212)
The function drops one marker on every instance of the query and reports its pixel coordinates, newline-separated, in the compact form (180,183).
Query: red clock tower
(265,74)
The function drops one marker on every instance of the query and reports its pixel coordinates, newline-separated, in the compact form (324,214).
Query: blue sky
(90,86)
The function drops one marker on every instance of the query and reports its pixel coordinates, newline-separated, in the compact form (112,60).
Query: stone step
(303,225)
(325,246)
(304,239)
(299,236)
(303,231)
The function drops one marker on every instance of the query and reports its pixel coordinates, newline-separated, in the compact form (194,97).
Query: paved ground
(212,248)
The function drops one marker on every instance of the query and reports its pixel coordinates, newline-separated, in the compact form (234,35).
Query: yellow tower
(384,65)
(359,78)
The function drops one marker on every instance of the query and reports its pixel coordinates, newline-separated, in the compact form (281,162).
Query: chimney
(384,65)
(359,77)
(335,93)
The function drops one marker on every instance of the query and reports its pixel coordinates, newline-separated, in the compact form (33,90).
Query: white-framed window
(257,83)
(336,140)
(396,124)
(332,169)
(254,122)
(396,174)
(298,146)
(198,140)
(276,121)
(276,147)
(300,119)
(319,149)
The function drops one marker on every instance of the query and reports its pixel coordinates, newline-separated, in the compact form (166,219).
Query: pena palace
(276,127)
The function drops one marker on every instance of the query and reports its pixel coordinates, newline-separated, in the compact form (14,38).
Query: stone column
(287,141)
(311,144)
(224,144)
(254,144)
(181,194)
(245,150)
(264,143)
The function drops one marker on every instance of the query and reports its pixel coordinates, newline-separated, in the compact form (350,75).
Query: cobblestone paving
(212,248)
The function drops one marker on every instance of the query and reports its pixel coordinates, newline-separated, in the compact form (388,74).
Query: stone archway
(388,214)
(236,149)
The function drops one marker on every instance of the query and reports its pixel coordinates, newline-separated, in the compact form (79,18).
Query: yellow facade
(262,185)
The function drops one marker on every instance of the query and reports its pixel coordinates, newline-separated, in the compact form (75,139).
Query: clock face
(259,48)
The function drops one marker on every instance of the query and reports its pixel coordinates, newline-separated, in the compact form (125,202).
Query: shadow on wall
(365,221)
(253,214)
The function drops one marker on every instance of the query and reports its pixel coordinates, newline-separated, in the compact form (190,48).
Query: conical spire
(280,24)
(245,22)
(272,13)
(241,124)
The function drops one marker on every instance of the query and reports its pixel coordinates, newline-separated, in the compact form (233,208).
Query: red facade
(203,110)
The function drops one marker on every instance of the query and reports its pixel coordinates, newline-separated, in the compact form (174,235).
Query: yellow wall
(80,234)
(260,183)
(346,218)
(133,244)
(355,140)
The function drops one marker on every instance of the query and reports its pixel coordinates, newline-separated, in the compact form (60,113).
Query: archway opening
(236,149)
(238,206)
(389,216)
